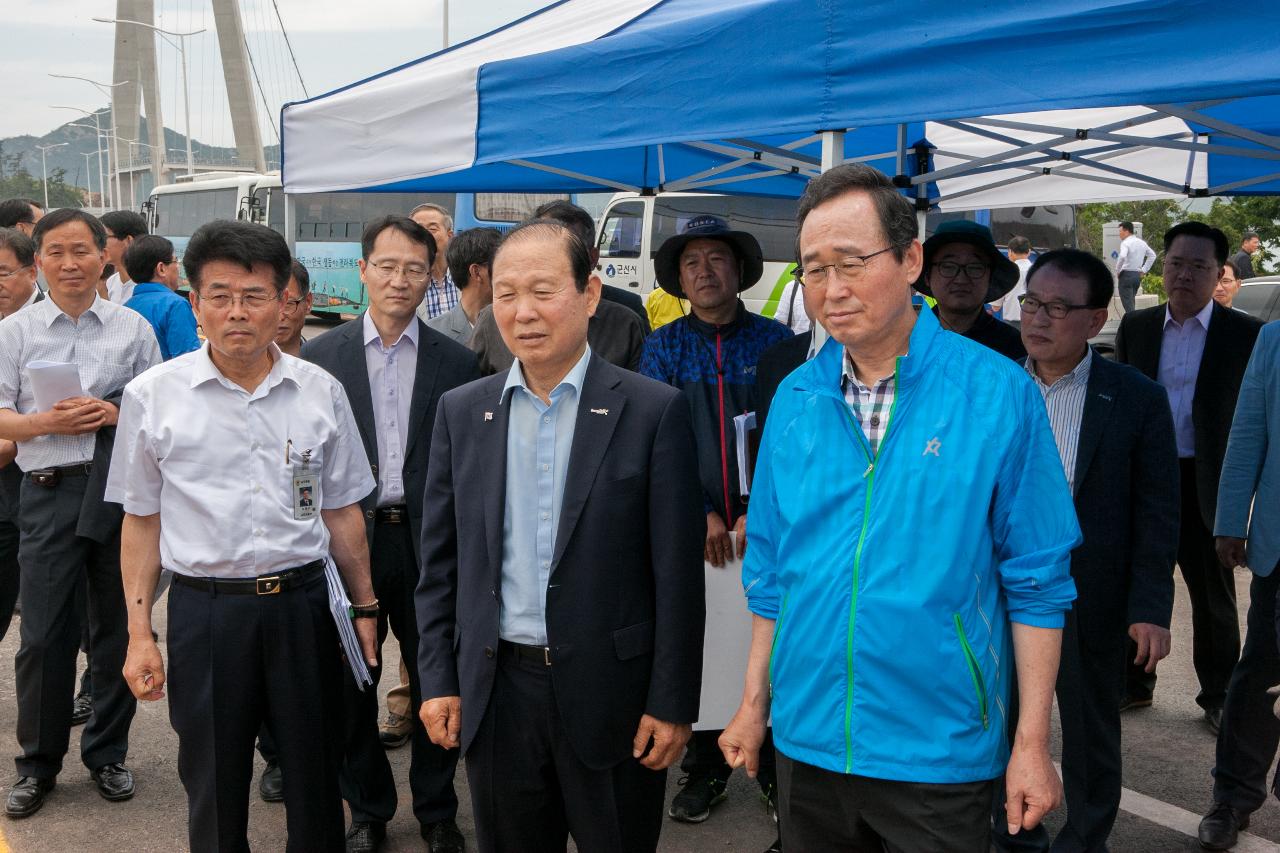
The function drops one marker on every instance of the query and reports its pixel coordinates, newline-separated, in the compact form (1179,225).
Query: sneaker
(394,730)
(693,803)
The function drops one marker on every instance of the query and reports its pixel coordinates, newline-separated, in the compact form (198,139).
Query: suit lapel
(598,413)
(1148,356)
(1099,398)
(424,383)
(1216,339)
(356,382)
(491,419)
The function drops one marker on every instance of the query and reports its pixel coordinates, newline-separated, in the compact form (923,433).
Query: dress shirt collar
(1078,375)
(574,378)
(1202,317)
(52,312)
(204,370)
(410,331)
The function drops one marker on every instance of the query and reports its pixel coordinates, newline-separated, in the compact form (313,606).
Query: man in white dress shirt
(69,537)
(1132,263)
(241,471)
(122,227)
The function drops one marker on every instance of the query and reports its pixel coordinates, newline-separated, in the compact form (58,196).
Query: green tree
(21,183)
(1247,213)
(1156,217)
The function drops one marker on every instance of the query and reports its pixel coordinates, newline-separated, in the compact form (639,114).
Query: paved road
(1168,754)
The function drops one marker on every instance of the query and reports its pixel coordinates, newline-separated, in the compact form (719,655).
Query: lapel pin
(599,411)
(1106,397)
(488,416)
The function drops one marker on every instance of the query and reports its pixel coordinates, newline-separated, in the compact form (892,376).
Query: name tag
(305,481)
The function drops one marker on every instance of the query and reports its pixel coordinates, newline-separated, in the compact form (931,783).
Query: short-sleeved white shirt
(210,457)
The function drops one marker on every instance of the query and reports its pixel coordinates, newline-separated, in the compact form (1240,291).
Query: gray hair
(430,205)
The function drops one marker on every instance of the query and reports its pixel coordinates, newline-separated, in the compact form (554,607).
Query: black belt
(50,477)
(265,585)
(521,651)
(394,514)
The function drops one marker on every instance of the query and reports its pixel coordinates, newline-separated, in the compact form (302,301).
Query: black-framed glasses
(950,269)
(290,306)
(850,269)
(1056,310)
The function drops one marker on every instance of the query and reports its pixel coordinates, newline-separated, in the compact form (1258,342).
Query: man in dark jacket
(711,354)
(964,271)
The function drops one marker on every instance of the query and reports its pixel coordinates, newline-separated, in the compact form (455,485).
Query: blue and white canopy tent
(982,104)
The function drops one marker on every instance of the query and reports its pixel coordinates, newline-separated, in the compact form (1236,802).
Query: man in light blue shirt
(150,262)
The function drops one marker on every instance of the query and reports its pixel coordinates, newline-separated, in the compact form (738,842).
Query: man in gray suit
(470,264)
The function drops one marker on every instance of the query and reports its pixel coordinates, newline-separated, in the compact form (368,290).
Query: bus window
(511,207)
(772,221)
(622,231)
(275,210)
(1047,227)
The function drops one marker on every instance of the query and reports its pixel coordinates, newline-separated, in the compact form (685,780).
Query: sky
(335,41)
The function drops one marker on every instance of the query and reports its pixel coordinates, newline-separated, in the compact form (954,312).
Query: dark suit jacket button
(488,652)
(375,470)
(368,513)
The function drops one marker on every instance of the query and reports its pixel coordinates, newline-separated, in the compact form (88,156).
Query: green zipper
(870,476)
(975,673)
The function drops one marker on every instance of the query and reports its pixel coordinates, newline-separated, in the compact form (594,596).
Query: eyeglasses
(1056,310)
(850,269)
(251,301)
(7,275)
(412,273)
(950,269)
(290,306)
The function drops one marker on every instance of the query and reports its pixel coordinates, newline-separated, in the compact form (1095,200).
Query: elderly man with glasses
(963,271)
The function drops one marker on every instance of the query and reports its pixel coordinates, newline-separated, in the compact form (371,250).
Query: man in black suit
(561,601)
(1114,434)
(1198,351)
(394,369)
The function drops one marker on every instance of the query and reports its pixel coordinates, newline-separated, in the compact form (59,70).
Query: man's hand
(144,670)
(718,549)
(110,412)
(1230,551)
(73,416)
(367,634)
(668,742)
(8,452)
(742,739)
(740,530)
(442,717)
(1032,786)
(1153,644)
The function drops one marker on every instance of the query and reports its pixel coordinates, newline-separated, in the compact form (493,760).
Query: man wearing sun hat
(963,271)
(711,355)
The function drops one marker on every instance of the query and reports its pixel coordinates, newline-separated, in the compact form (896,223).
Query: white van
(633,226)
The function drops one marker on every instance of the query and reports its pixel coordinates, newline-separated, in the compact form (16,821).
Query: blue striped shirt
(1065,402)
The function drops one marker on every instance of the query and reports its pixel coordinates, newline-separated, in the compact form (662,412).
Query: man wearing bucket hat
(711,354)
(963,271)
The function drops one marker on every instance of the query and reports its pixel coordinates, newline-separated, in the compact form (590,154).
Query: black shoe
(81,709)
(271,785)
(1129,703)
(693,804)
(1213,718)
(27,796)
(443,836)
(1220,827)
(366,837)
(114,781)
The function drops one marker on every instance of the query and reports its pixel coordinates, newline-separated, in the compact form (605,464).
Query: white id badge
(304,492)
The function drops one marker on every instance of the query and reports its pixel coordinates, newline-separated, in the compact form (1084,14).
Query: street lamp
(106,89)
(44,170)
(181,45)
(97,128)
(88,170)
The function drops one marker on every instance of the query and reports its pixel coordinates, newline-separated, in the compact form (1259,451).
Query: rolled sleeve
(10,369)
(1034,521)
(134,479)
(345,475)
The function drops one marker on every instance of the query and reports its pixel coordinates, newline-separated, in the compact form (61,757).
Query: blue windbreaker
(893,580)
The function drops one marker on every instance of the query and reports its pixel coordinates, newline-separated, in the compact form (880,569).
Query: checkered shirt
(870,406)
(441,296)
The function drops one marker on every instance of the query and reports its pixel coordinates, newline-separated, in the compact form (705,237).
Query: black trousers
(1088,691)
(56,565)
(1250,731)
(529,789)
(1127,286)
(9,571)
(703,757)
(367,782)
(1215,625)
(821,811)
(234,661)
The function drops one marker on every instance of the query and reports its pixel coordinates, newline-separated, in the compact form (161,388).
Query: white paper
(725,644)
(742,425)
(52,382)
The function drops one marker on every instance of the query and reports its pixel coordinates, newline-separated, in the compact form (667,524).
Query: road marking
(1181,820)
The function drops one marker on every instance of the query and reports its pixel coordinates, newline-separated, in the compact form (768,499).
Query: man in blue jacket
(153,267)
(918,517)
(1250,481)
